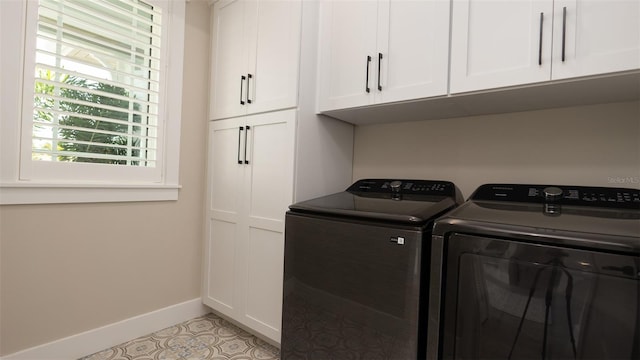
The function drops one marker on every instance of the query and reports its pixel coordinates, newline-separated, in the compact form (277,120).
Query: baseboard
(92,341)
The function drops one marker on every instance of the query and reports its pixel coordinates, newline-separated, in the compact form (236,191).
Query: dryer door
(512,300)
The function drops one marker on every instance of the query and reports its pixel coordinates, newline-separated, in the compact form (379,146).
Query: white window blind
(97,82)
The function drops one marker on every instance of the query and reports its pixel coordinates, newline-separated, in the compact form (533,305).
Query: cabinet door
(347,41)
(413,39)
(224,215)
(274,52)
(500,43)
(269,186)
(228,59)
(599,37)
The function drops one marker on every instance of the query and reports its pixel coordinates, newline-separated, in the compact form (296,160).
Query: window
(100,107)
(97,72)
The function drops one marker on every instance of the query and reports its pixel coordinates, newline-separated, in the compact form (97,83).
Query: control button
(395,185)
(551,209)
(573,194)
(552,193)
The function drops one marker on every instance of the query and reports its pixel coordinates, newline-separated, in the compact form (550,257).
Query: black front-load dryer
(356,270)
(537,272)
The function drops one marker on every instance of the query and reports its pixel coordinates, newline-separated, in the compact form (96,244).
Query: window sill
(41,193)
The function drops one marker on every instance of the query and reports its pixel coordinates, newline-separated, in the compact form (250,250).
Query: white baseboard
(92,341)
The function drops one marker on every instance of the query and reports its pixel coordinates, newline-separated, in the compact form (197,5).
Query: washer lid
(407,201)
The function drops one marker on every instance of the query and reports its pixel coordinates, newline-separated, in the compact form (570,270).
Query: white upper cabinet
(413,38)
(229,59)
(382,51)
(599,37)
(347,45)
(504,43)
(500,43)
(255,55)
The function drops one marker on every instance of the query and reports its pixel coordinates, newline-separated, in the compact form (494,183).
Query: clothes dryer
(537,272)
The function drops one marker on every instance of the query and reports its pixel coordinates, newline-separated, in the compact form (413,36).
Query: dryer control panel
(619,198)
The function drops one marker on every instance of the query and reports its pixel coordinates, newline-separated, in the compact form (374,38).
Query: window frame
(17,190)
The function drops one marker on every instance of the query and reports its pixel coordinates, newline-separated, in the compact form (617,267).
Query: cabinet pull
(246,161)
(540,40)
(249,76)
(241,83)
(366,88)
(564,29)
(239,136)
(379,65)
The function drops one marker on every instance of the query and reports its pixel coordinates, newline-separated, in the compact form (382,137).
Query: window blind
(97,73)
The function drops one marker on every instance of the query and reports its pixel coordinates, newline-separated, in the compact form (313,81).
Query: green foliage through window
(103,119)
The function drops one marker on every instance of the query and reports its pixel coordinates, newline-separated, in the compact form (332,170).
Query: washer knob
(552,193)
(395,185)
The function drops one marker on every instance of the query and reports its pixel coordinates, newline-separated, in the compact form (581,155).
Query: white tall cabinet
(382,51)
(263,158)
(251,162)
(505,43)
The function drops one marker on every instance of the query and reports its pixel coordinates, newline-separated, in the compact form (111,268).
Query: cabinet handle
(366,88)
(249,76)
(379,65)
(246,161)
(239,136)
(564,29)
(241,83)
(540,40)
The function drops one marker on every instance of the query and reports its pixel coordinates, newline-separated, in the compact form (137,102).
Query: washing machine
(356,270)
(537,272)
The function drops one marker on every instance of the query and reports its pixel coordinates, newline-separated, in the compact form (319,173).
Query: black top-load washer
(537,272)
(356,270)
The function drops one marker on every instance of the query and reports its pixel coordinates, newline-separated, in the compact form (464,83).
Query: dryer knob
(395,185)
(552,193)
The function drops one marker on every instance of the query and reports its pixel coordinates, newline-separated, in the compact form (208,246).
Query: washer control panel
(405,187)
(558,194)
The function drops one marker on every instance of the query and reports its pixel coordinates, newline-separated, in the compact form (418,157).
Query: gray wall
(595,145)
(70,268)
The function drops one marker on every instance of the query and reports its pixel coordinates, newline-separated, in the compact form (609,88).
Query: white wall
(596,145)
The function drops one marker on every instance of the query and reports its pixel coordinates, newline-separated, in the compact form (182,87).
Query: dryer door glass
(513,300)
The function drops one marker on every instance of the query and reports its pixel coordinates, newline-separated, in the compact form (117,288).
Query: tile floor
(205,337)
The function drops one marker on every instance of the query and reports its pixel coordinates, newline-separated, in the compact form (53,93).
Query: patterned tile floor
(205,337)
